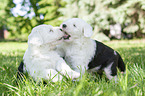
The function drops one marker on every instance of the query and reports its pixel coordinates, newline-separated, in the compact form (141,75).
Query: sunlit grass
(131,84)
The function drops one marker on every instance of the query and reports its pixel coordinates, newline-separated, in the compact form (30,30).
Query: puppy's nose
(64,26)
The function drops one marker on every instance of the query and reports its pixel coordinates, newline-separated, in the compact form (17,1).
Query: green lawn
(131,84)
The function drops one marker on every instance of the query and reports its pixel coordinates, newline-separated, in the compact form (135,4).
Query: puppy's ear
(87,30)
(35,38)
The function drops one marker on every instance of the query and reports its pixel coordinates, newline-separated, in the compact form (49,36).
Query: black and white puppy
(82,53)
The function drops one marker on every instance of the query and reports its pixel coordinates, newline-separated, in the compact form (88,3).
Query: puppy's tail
(121,64)
(20,71)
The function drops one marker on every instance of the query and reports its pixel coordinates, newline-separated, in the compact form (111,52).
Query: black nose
(64,26)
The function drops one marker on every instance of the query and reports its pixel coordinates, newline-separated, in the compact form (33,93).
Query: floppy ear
(88,30)
(35,38)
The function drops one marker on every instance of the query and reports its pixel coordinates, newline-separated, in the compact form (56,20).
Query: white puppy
(78,49)
(83,53)
(41,61)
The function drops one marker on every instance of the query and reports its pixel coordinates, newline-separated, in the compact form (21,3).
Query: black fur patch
(104,56)
(20,70)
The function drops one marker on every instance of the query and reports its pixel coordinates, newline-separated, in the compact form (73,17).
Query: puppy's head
(44,34)
(76,28)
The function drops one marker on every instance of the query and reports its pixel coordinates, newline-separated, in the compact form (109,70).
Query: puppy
(82,53)
(41,61)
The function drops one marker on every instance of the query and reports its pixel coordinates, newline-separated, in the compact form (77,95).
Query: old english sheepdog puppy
(82,53)
(41,61)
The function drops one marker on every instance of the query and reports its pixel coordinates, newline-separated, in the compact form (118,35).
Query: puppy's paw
(75,75)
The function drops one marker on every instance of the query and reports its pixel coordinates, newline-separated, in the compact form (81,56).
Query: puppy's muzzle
(66,36)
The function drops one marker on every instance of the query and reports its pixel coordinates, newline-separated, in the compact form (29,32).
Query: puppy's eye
(74,25)
(51,30)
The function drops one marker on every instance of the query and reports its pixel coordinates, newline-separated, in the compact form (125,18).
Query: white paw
(75,75)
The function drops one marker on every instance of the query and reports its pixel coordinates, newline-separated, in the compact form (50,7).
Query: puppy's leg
(52,74)
(65,70)
(111,71)
(121,64)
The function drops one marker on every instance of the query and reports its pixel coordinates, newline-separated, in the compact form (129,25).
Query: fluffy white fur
(79,49)
(41,61)
(82,53)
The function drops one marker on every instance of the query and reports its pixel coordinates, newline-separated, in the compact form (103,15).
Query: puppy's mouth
(66,36)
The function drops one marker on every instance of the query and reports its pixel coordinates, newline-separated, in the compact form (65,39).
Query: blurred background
(110,19)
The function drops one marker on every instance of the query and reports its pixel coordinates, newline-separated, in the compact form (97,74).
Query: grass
(131,84)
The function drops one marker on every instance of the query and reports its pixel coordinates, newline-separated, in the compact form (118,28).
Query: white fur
(79,49)
(107,71)
(94,69)
(41,61)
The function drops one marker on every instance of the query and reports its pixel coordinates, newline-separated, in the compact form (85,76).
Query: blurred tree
(3,17)
(103,13)
(49,11)
(129,13)
(35,12)
(92,11)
